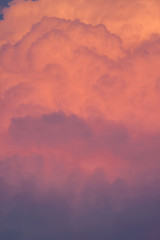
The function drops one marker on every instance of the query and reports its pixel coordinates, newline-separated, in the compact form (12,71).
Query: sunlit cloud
(80,120)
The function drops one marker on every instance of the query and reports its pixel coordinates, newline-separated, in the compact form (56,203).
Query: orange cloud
(80,69)
(79,114)
(132,21)
(64,65)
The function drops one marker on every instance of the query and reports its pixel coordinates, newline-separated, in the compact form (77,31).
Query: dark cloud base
(86,206)
(93,214)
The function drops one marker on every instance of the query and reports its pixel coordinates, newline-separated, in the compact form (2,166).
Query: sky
(80,120)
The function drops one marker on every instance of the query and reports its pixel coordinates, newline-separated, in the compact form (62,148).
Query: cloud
(88,145)
(100,209)
(132,21)
(92,75)
(79,120)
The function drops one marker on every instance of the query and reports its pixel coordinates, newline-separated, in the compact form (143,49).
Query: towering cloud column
(80,120)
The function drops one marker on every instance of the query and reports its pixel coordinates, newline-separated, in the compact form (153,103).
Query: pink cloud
(80,120)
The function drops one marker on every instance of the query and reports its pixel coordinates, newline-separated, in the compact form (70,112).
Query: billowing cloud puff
(54,57)
(80,120)
(132,21)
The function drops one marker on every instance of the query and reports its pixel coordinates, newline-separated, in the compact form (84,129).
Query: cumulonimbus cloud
(80,120)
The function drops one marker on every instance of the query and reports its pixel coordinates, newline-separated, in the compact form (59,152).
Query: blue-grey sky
(3,3)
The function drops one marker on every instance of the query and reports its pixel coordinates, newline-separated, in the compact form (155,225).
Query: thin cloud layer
(80,120)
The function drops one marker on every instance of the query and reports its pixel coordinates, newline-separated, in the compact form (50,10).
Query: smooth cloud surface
(80,120)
